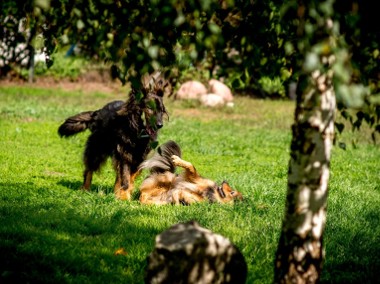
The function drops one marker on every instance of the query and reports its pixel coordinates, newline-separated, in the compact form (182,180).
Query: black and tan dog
(124,131)
(164,186)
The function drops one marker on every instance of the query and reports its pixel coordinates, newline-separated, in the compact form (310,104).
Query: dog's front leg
(87,178)
(124,182)
(183,196)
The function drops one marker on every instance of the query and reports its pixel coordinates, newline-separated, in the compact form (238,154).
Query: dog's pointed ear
(228,190)
(160,83)
(158,77)
(146,82)
(155,83)
(226,186)
(156,80)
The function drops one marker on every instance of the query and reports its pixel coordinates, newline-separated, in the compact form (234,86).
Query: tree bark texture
(300,252)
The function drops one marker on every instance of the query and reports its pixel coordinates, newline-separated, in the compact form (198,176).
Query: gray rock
(188,253)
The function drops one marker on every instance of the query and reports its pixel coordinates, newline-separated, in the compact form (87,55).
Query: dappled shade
(188,253)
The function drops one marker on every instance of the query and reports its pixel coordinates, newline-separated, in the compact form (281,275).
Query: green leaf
(179,20)
(352,95)
(205,4)
(327,8)
(289,48)
(153,51)
(312,62)
(44,4)
(214,28)
(65,39)
(375,99)
(80,24)
(341,72)
(110,36)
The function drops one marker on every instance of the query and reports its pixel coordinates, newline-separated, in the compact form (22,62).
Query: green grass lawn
(52,232)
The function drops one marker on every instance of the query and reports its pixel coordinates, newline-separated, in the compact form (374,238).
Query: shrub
(272,87)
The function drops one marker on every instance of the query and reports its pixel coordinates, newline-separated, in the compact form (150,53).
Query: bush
(64,66)
(272,87)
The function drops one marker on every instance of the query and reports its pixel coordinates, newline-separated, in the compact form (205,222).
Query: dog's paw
(176,160)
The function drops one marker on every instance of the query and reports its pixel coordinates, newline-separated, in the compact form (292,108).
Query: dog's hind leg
(94,156)
(190,171)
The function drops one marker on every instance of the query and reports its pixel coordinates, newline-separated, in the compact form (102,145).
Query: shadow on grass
(77,185)
(70,237)
(74,185)
(58,235)
(352,253)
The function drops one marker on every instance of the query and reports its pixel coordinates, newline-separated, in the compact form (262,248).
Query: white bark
(300,252)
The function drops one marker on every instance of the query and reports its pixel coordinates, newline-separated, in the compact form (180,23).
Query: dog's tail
(162,159)
(75,124)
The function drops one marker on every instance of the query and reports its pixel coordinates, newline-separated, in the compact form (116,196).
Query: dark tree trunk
(31,64)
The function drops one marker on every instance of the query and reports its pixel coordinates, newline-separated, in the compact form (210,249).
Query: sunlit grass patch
(50,231)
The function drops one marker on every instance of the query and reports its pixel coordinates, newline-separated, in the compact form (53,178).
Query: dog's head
(152,104)
(225,194)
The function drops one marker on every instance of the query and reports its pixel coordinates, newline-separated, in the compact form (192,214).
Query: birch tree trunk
(300,251)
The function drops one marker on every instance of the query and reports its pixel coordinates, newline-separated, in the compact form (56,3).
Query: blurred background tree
(251,44)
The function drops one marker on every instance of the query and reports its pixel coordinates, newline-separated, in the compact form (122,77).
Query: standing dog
(124,131)
(163,186)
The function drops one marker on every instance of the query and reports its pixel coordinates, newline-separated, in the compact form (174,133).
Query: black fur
(124,131)
(162,160)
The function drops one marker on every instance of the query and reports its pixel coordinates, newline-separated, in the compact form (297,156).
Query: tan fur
(122,130)
(187,188)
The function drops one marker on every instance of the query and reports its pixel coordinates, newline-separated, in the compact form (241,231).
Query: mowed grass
(50,231)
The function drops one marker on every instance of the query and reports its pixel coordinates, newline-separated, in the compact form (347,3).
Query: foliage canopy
(254,45)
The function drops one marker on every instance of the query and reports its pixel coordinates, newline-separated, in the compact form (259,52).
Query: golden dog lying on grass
(164,186)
